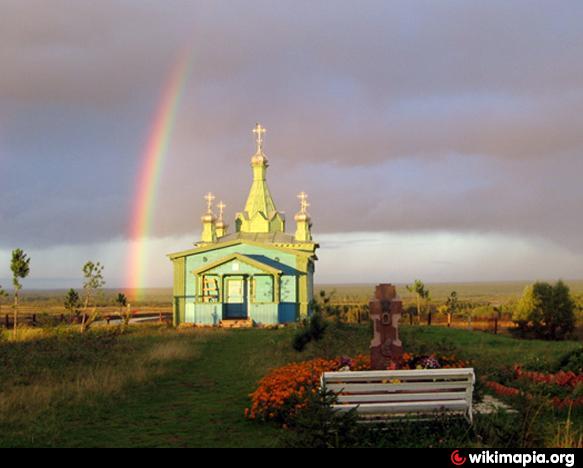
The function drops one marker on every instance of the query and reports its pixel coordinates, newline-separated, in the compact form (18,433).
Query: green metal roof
(242,240)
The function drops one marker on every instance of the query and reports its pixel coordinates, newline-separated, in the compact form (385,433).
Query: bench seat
(381,394)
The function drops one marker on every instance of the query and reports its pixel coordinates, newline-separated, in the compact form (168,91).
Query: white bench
(378,394)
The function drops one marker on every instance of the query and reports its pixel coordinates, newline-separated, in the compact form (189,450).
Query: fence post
(429,319)
(495,325)
(33,320)
(7,321)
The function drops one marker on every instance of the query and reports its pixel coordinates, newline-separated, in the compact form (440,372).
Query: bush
(314,330)
(320,426)
(546,311)
(572,362)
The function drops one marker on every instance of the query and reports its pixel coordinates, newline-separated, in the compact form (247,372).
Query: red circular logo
(457,459)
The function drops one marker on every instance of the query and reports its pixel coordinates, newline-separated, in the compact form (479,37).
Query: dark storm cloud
(420,115)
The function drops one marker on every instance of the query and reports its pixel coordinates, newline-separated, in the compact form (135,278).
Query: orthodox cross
(304,202)
(221,206)
(259,131)
(209,197)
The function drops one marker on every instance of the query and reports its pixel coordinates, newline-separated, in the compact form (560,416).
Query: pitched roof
(223,243)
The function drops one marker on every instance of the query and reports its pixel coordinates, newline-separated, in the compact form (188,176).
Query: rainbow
(155,152)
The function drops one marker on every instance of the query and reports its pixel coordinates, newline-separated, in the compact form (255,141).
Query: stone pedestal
(385,312)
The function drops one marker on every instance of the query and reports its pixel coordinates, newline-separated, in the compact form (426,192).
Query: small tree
(324,306)
(546,310)
(421,294)
(3,295)
(452,306)
(72,304)
(20,266)
(125,312)
(92,282)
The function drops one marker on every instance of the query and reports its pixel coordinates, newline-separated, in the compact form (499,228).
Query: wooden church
(257,275)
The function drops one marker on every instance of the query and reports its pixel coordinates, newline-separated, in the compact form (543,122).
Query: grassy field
(158,387)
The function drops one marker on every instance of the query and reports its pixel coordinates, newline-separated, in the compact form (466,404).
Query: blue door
(236,298)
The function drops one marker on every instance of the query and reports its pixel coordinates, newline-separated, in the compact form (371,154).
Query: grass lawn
(157,387)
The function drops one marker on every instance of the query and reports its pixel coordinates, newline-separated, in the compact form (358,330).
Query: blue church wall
(203,314)
(265,314)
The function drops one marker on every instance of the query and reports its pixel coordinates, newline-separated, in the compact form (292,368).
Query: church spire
(260,215)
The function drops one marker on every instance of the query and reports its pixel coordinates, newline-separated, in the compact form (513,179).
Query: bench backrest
(401,386)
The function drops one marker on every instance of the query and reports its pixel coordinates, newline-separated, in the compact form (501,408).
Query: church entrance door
(236,298)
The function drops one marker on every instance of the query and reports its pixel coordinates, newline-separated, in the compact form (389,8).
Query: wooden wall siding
(265,314)
(179,290)
(263,290)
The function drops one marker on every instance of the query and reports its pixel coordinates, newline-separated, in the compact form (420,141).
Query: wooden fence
(44,319)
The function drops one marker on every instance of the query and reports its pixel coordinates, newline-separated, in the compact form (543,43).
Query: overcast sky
(437,139)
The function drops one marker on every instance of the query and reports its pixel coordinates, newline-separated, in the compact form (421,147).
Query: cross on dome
(209,197)
(259,131)
(221,206)
(303,197)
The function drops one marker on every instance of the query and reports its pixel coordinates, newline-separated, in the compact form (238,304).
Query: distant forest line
(476,292)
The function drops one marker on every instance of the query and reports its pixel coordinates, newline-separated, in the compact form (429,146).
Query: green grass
(157,387)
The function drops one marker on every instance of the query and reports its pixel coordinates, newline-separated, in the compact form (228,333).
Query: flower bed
(563,389)
(285,390)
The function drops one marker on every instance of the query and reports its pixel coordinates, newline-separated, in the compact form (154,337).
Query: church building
(256,275)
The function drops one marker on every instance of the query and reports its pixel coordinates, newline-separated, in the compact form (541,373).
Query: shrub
(573,361)
(320,426)
(314,330)
(546,311)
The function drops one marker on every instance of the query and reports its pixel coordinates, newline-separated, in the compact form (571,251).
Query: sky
(440,140)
